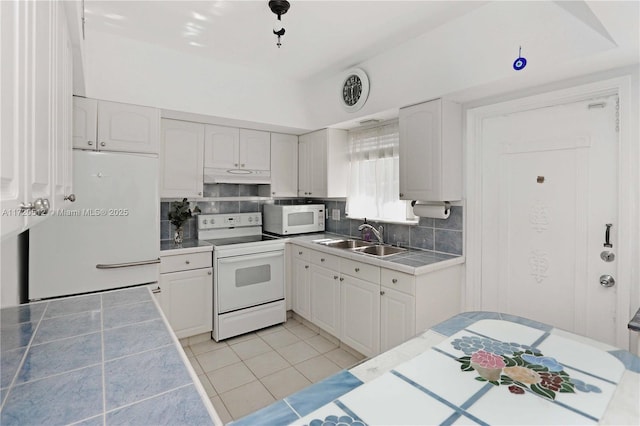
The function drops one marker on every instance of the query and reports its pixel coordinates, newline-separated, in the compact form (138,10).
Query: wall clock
(355,90)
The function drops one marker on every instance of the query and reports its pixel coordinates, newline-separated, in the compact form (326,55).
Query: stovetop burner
(217,242)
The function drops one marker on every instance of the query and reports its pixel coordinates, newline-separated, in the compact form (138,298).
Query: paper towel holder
(447,205)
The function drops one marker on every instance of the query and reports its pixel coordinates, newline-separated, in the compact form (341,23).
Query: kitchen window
(374,180)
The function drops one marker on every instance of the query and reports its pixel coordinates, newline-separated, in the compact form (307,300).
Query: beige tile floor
(249,372)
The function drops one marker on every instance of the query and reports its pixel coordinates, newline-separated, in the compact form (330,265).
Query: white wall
(136,72)
(9,266)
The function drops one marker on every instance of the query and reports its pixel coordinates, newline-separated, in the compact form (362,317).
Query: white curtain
(374,177)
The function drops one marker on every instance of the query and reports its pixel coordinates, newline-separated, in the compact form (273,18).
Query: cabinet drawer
(183,262)
(299,252)
(363,271)
(399,281)
(325,260)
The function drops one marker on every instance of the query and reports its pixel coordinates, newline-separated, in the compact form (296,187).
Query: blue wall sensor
(520,62)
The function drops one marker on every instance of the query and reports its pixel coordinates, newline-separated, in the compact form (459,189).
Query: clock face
(352,90)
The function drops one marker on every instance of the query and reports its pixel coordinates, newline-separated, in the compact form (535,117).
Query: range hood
(212,175)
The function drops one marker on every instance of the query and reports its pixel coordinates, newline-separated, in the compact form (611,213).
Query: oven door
(248,280)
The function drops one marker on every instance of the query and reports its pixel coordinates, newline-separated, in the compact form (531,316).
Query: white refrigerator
(109,237)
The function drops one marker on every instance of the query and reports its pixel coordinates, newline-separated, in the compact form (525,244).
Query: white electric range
(248,278)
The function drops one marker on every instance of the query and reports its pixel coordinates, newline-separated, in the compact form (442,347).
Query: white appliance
(108,237)
(289,220)
(214,175)
(248,279)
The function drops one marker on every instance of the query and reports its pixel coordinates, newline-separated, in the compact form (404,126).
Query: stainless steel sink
(380,250)
(346,244)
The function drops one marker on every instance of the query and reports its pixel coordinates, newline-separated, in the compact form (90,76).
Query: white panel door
(325,299)
(284,165)
(549,188)
(397,318)
(255,150)
(181,159)
(360,306)
(301,288)
(318,164)
(85,123)
(304,182)
(187,301)
(221,147)
(128,128)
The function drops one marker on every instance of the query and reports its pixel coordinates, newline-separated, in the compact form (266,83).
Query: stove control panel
(232,220)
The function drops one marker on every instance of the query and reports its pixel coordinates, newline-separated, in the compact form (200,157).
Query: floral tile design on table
(333,420)
(517,366)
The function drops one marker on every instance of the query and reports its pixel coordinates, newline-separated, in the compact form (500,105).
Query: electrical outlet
(335,214)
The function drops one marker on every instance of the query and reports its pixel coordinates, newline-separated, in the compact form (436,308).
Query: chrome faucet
(377,232)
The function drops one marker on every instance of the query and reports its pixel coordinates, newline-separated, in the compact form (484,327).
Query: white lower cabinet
(360,305)
(325,299)
(397,318)
(301,291)
(187,295)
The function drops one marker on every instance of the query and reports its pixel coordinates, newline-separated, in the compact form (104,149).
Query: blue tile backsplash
(440,235)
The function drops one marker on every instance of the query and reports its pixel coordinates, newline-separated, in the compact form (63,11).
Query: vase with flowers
(178,215)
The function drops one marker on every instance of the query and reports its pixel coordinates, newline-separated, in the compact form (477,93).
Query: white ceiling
(330,35)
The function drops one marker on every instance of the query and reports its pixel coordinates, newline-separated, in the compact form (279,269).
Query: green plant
(179,212)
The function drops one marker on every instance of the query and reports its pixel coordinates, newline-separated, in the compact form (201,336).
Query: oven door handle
(243,258)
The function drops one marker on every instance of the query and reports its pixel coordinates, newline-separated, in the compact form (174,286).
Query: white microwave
(289,220)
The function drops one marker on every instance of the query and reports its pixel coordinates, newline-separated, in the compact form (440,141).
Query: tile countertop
(104,358)
(188,246)
(477,367)
(415,262)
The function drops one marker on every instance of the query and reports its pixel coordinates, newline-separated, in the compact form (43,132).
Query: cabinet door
(128,128)
(325,299)
(181,159)
(360,306)
(301,288)
(318,165)
(420,151)
(255,150)
(303,165)
(397,318)
(284,165)
(187,301)
(85,123)
(221,147)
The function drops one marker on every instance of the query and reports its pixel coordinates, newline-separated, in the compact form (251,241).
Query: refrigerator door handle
(126,265)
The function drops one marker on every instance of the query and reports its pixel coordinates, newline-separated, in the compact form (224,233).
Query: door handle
(607,281)
(607,232)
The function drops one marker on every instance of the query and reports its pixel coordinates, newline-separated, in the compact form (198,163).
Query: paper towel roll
(438,211)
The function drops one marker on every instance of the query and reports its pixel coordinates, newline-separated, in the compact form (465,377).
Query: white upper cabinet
(114,126)
(431,151)
(323,164)
(181,160)
(35,86)
(284,165)
(233,148)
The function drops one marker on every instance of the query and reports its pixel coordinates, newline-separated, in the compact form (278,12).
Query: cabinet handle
(395,280)
(381,293)
(103,143)
(322,260)
(306,266)
(273,193)
(242,165)
(90,143)
(187,262)
(357,269)
(209,273)
(70,197)
(39,207)
(335,277)
(341,279)
(156,290)
(235,164)
(401,194)
(200,193)
(299,253)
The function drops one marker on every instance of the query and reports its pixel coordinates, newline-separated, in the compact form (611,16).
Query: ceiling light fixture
(279,7)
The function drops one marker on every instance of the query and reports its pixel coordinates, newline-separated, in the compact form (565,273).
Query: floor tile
(206,384)
(341,357)
(321,344)
(220,358)
(297,352)
(199,338)
(318,368)
(303,332)
(270,330)
(196,366)
(281,338)
(292,323)
(125,297)
(221,409)
(68,326)
(73,305)
(210,345)
(246,399)
(285,382)
(250,348)
(240,338)
(61,356)
(231,377)
(45,402)
(30,312)
(126,383)
(127,340)
(16,336)
(267,363)
(9,363)
(160,410)
(129,314)
(188,352)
